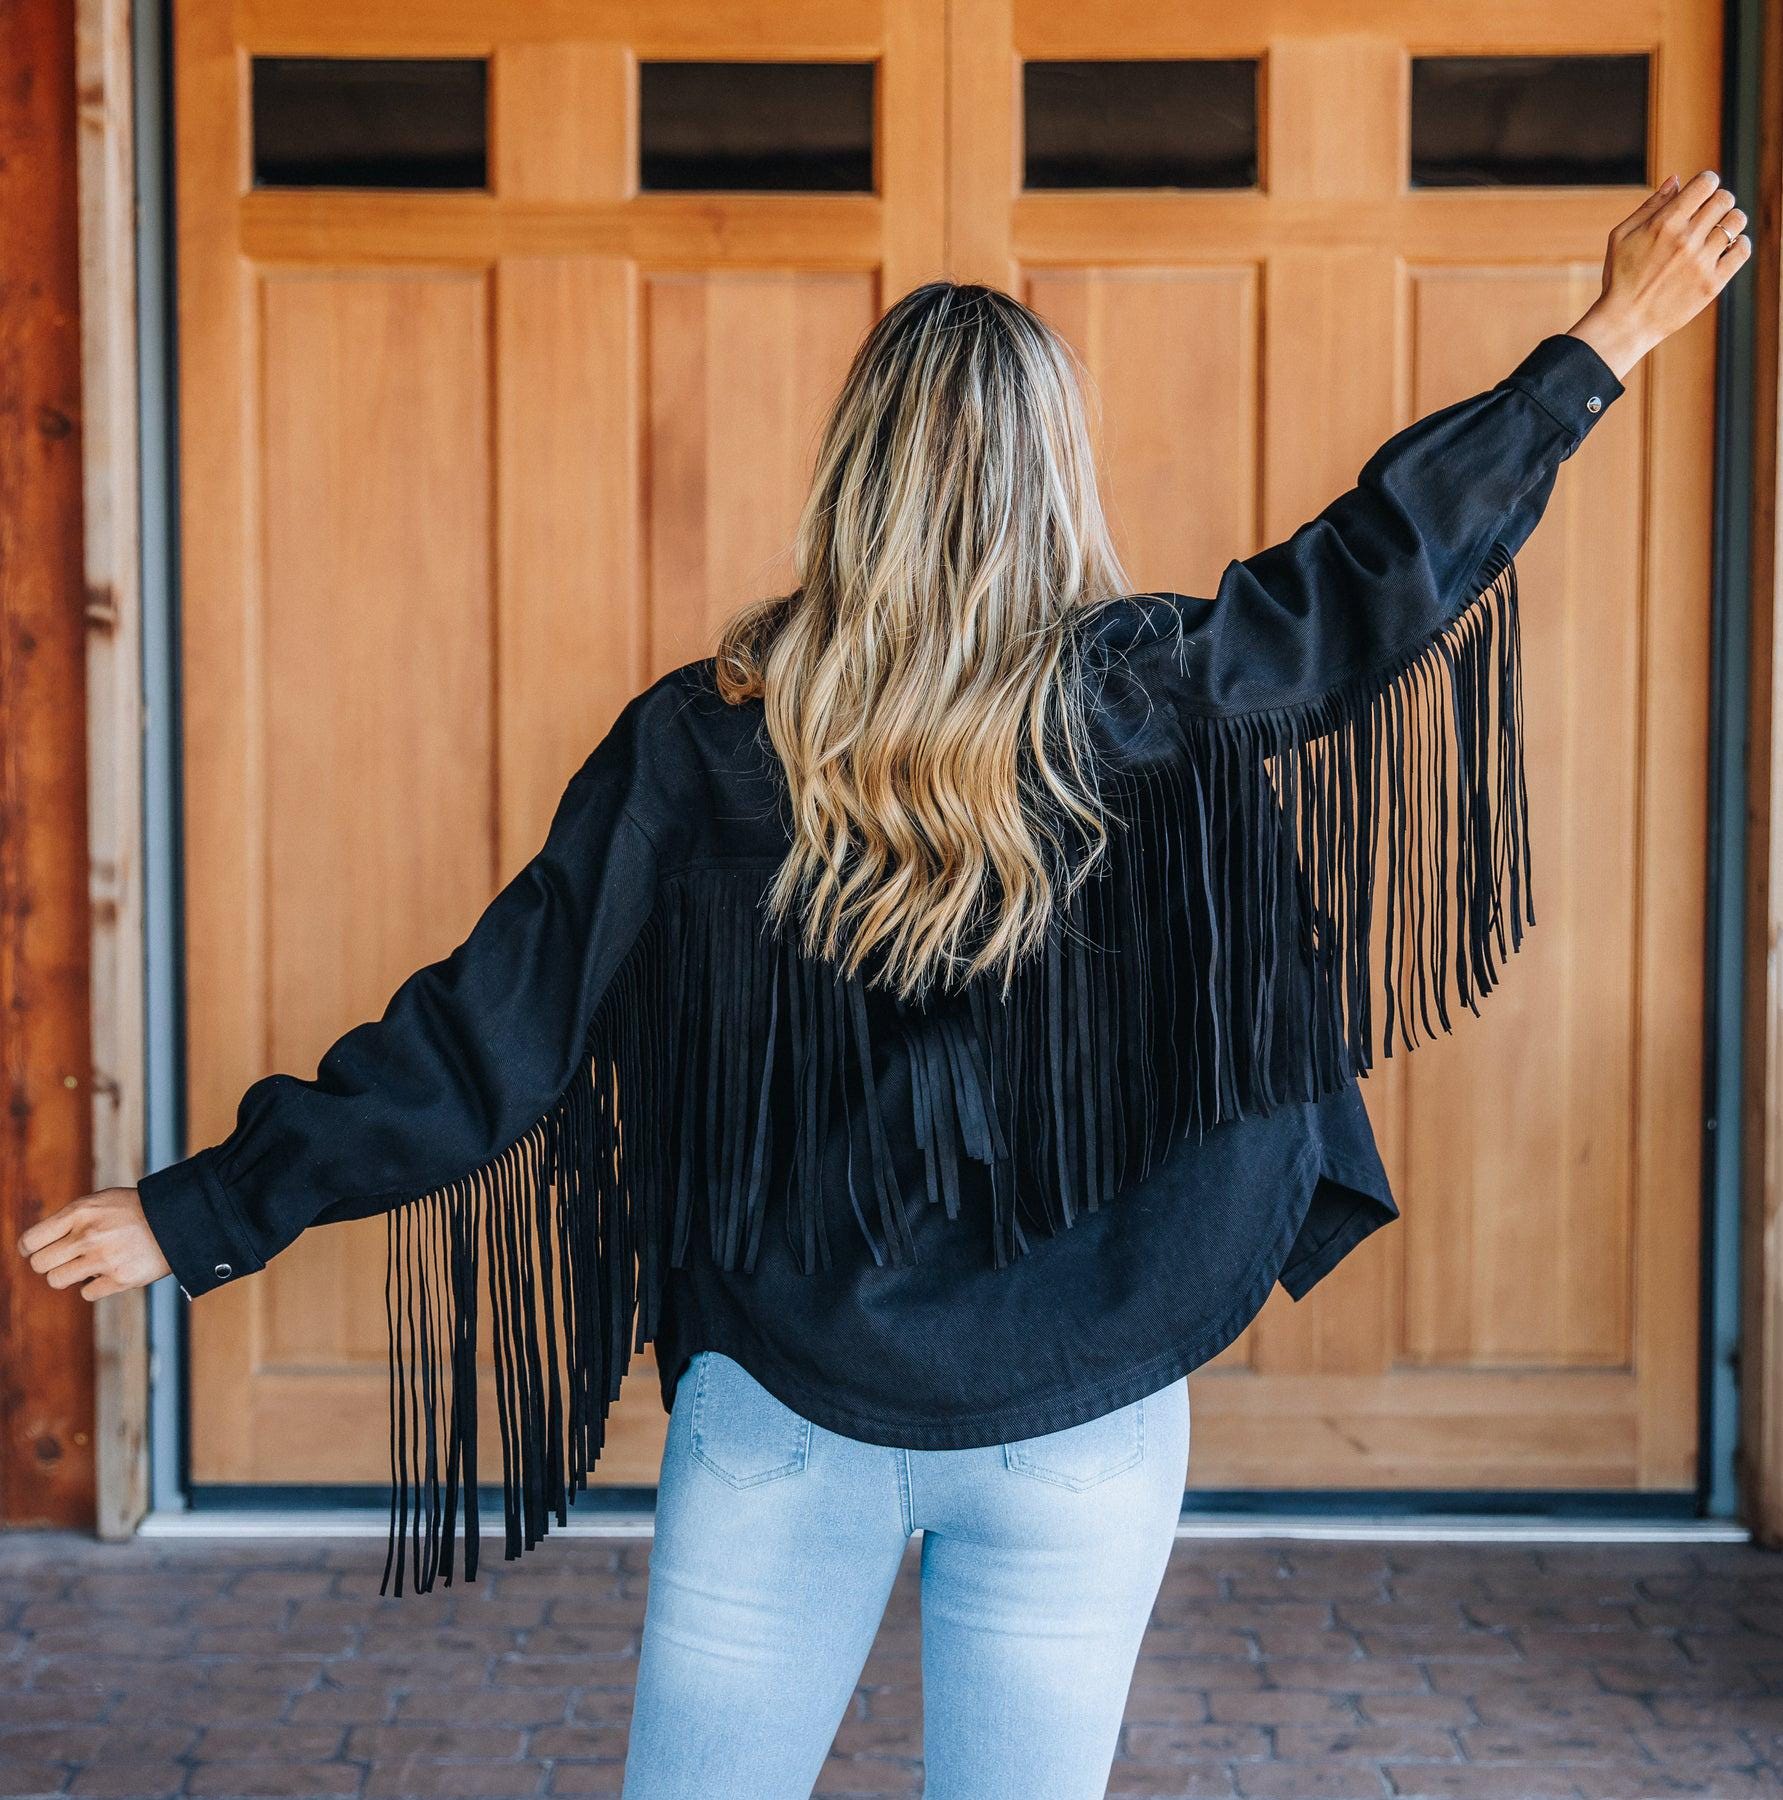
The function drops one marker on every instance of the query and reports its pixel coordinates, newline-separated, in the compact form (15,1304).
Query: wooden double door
(486,425)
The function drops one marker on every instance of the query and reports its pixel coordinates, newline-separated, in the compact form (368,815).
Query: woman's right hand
(1666,261)
(100,1242)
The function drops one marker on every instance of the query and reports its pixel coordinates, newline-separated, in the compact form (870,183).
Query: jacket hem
(1025,1419)
(1371,1206)
(1362,1220)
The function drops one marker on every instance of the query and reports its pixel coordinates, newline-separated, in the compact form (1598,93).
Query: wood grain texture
(1411,1429)
(1519,1151)
(109,436)
(1333,112)
(378,840)
(716,29)
(480,486)
(567,467)
(742,369)
(1547,1154)
(984,141)
(621,402)
(1116,28)
(689,231)
(1179,499)
(565,121)
(1425,226)
(46,1132)
(912,106)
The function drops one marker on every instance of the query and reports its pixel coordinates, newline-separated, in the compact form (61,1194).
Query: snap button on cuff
(1594,404)
(222,1271)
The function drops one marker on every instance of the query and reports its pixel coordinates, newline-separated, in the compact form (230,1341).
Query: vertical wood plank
(742,372)
(1335,112)
(1177,431)
(46,1337)
(222,667)
(983,139)
(379,836)
(1668,1113)
(569,594)
(675,333)
(114,723)
(1331,393)
(1519,1247)
(912,126)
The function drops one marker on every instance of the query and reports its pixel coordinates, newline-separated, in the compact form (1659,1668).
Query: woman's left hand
(101,1240)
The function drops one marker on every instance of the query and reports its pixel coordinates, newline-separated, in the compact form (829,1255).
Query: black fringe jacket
(622,1092)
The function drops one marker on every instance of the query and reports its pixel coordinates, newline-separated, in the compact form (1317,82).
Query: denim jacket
(626,1107)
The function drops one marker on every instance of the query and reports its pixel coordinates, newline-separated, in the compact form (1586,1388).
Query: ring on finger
(1731,239)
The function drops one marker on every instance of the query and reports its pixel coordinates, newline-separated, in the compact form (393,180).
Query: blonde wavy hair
(922,684)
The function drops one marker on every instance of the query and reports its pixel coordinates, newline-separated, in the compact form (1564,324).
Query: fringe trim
(1220,963)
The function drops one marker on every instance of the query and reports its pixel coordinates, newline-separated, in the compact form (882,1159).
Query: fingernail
(1671,182)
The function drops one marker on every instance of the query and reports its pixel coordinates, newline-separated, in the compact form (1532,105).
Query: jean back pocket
(740,1431)
(1083,1456)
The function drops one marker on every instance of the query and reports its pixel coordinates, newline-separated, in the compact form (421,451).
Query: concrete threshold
(251,1523)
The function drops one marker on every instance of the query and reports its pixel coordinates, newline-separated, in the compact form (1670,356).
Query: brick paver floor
(1272,1671)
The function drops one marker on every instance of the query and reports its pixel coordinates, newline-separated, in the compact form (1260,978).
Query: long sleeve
(1435,513)
(479,1115)
(470,1053)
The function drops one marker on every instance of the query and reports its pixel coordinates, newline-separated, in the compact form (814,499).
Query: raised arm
(1435,512)
(1440,509)
(1362,680)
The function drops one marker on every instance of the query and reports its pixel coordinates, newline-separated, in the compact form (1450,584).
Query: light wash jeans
(777,1543)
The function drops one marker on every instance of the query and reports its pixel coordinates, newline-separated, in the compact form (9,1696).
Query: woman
(935,1023)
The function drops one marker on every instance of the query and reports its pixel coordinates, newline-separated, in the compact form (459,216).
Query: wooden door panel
(573,629)
(468,469)
(464,470)
(742,368)
(1531,1323)
(1391,1429)
(1177,426)
(372,746)
(1518,1249)
(566,120)
(375,483)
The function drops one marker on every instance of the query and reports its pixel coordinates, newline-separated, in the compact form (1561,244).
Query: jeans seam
(906,1501)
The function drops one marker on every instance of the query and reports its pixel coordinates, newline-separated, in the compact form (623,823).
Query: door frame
(1750,1215)
(1743,1022)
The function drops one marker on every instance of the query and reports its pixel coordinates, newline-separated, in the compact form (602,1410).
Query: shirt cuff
(197,1226)
(1569,381)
